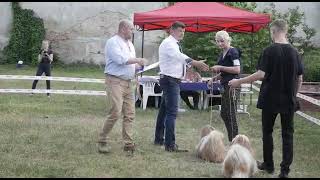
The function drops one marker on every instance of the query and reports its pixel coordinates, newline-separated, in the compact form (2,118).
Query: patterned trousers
(228,110)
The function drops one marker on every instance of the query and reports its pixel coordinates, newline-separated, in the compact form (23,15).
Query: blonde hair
(224,35)
(45,44)
(279,25)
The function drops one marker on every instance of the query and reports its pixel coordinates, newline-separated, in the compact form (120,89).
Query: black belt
(165,76)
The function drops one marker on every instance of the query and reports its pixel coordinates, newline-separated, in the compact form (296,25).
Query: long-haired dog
(211,147)
(239,161)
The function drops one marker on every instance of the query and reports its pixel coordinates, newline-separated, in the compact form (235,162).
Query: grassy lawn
(56,137)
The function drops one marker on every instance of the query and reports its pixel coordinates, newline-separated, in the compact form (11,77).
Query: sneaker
(103,148)
(48,96)
(262,166)
(174,148)
(283,174)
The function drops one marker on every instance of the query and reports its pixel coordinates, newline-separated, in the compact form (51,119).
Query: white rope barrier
(42,91)
(8,77)
(310,118)
(307,98)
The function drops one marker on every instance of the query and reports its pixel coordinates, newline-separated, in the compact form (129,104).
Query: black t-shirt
(282,66)
(45,56)
(228,60)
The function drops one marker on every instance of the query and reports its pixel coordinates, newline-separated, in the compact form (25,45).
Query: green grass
(56,137)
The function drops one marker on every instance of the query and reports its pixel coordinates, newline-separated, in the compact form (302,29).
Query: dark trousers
(43,68)
(268,119)
(228,111)
(167,114)
(195,96)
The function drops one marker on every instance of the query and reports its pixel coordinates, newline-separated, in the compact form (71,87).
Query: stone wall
(79,30)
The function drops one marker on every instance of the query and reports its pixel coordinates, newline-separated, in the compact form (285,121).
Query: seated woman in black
(45,58)
(228,68)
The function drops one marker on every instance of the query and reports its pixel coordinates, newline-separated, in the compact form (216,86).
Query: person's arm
(199,64)
(259,75)
(51,58)
(39,58)
(231,70)
(300,79)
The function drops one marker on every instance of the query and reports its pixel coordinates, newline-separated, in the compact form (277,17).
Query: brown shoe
(129,147)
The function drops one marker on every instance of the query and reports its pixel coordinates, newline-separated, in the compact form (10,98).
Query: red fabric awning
(202,17)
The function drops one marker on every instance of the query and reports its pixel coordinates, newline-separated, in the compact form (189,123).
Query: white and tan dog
(211,147)
(239,161)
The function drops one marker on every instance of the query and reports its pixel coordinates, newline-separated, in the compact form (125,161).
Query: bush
(312,66)
(26,36)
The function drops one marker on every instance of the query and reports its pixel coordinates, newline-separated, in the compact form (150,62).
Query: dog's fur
(239,161)
(211,147)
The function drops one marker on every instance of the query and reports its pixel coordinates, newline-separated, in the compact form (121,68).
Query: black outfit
(195,96)
(282,66)
(44,67)
(228,104)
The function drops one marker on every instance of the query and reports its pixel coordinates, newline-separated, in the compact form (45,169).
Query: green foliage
(312,66)
(200,45)
(25,38)
(295,20)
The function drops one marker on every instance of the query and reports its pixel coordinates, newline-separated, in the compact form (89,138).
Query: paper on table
(146,68)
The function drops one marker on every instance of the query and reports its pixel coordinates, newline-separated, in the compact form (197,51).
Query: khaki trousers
(120,100)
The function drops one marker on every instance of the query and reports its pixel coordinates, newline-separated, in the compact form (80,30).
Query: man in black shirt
(280,70)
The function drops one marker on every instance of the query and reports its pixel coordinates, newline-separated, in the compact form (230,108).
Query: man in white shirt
(121,65)
(172,64)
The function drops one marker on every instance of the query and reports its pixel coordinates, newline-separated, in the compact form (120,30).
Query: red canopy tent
(202,17)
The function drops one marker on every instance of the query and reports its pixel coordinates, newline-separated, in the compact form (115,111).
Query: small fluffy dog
(239,161)
(211,147)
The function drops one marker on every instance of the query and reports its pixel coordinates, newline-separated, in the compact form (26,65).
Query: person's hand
(201,65)
(216,68)
(234,83)
(142,61)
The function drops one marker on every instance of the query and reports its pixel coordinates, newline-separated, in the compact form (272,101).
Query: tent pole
(142,41)
(270,40)
(251,59)
(133,38)
(142,44)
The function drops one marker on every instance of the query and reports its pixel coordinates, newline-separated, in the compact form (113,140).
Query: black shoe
(283,174)
(158,143)
(174,148)
(262,166)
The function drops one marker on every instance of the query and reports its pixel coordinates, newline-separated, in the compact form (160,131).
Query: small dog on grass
(239,161)
(211,147)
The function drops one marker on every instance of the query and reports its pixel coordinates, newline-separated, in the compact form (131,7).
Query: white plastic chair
(245,89)
(148,90)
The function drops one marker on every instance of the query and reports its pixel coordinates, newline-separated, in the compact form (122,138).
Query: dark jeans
(168,111)
(195,95)
(268,119)
(46,69)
